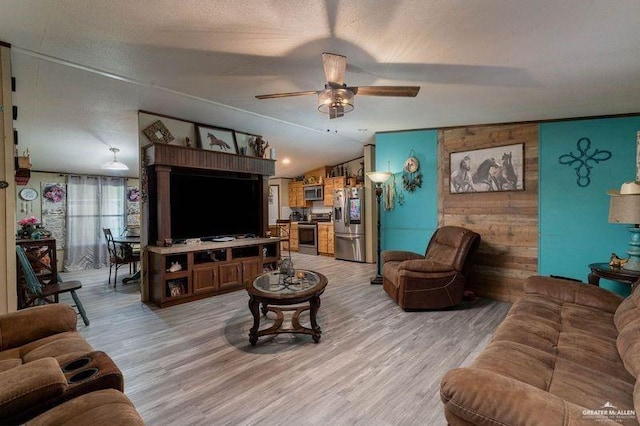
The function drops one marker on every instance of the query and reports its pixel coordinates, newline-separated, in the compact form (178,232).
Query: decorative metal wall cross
(584,162)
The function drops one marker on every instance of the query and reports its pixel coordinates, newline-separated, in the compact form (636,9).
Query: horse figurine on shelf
(484,178)
(213,141)
(506,176)
(461,179)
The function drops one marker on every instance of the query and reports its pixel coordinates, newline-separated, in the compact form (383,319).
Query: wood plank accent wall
(507,221)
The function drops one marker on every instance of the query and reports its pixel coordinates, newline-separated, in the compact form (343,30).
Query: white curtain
(93,203)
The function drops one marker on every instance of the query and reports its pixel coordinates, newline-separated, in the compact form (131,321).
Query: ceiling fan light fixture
(115,164)
(335,102)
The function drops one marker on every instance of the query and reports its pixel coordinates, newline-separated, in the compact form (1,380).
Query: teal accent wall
(573,220)
(410,226)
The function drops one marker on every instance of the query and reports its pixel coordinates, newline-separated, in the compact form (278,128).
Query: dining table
(130,240)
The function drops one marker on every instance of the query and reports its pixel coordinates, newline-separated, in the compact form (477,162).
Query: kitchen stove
(308,232)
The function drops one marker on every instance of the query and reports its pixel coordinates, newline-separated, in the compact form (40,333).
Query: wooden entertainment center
(207,268)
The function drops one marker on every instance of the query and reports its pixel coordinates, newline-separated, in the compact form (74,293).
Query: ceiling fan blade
(284,95)
(404,91)
(334,67)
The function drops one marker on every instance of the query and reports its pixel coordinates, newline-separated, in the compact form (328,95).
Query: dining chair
(284,232)
(120,254)
(38,294)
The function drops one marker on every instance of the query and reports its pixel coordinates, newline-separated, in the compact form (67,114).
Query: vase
(27,230)
(286,267)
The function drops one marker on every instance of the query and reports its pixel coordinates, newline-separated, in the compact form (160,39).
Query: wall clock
(28,194)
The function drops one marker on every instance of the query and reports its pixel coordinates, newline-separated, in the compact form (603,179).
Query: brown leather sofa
(567,353)
(107,407)
(436,279)
(44,362)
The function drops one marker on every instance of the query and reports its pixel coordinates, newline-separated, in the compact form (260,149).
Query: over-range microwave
(313,193)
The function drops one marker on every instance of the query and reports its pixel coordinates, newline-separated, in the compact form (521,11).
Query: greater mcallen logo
(609,413)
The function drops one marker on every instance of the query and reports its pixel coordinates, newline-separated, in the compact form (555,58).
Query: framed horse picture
(499,168)
(217,139)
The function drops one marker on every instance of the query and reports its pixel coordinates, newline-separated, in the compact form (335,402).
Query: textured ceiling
(85,67)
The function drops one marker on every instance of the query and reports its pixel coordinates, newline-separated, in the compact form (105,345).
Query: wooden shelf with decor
(208,268)
(23,169)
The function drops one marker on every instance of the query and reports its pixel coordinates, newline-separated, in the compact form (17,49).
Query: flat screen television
(208,206)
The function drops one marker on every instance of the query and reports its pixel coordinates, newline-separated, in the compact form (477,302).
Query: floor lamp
(378,178)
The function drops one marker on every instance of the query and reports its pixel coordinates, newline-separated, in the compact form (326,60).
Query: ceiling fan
(336,99)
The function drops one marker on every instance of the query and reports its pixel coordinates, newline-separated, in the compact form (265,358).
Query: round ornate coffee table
(273,290)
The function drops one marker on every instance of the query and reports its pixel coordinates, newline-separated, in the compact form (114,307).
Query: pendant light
(115,164)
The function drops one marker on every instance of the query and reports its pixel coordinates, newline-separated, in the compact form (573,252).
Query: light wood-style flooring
(192,364)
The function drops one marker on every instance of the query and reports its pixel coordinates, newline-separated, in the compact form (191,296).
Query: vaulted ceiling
(85,67)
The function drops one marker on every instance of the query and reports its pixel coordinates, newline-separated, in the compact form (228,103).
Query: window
(93,203)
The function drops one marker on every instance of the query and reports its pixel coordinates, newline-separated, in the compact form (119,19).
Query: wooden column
(264,206)
(8,296)
(370,212)
(163,203)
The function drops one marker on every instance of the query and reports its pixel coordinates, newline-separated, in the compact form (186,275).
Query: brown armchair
(436,279)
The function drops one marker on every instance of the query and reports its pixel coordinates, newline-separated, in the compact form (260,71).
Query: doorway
(274,204)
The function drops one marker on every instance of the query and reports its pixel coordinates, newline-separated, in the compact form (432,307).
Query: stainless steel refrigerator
(348,224)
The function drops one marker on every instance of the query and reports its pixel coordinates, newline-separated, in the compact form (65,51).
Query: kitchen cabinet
(331,241)
(331,184)
(325,239)
(293,240)
(205,278)
(317,174)
(230,275)
(296,195)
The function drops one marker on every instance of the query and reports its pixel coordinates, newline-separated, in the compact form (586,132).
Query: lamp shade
(115,164)
(625,209)
(378,177)
(335,101)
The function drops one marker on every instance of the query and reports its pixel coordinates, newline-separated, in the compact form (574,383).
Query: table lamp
(624,207)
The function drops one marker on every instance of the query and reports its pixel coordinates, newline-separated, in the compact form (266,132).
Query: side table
(604,270)
(43,258)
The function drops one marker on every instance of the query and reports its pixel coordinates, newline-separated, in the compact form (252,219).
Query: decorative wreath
(133,194)
(54,192)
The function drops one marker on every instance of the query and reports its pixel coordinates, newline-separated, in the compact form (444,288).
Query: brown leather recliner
(436,279)
(44,361)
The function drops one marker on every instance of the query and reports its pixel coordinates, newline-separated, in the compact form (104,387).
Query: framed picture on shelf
(243,143)
(495,169)
(217,139)
(157,132)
